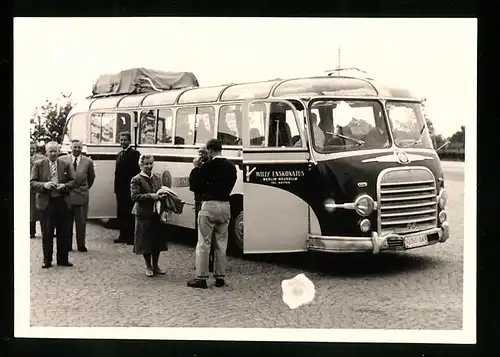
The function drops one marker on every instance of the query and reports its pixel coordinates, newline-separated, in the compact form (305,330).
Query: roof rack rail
(147,79)
(336,71)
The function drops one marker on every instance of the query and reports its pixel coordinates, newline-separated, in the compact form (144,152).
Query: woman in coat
(150,238)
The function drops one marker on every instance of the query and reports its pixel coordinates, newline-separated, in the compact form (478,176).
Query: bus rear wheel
(236,233)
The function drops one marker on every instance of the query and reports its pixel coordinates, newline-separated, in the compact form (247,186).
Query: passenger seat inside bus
(255,138)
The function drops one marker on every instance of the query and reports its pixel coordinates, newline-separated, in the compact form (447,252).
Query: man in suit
(127,166)
(84,177)
(53,179)
(34,213)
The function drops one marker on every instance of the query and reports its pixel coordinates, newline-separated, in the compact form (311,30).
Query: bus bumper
(375,243)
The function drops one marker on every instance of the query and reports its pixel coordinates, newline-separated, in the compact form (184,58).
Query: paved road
(421,289)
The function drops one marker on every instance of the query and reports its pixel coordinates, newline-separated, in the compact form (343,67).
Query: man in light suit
(53,179)
(79,196)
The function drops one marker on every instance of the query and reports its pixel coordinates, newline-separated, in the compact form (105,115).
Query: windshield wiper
(357,141)
(419,140)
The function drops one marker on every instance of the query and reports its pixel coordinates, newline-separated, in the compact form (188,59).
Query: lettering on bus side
(181,182)
(278,177)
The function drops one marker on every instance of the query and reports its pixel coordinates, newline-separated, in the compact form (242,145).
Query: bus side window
(257,124)
(108,124)
(77,128)
(164,126)
(122,124)
(282,126)
(184,128)
(147,127)
(229,131)
(205,124)
(294,131)
(95,128)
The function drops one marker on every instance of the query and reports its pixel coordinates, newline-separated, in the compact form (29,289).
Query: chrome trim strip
(393,158)
(418,189)
(349,205)
(407,213)
(340,155)
(406,198)
(407,183)
(374,244)
(304,161)
(275,251)
(336,238)
(275,149)
(413,205)
(406,221)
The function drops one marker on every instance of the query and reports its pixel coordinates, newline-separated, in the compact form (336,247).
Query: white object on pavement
(298,291)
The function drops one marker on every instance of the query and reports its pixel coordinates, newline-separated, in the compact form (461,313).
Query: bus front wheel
(236,233)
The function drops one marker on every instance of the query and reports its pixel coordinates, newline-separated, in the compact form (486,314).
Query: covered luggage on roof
(141,80)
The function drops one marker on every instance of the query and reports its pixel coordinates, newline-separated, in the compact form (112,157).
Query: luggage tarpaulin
(132,81)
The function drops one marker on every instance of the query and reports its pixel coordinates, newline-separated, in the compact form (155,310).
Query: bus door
(275,161)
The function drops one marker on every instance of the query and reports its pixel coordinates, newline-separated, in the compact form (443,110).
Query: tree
(459,136)
(38,131)
(51,119)
(437,139)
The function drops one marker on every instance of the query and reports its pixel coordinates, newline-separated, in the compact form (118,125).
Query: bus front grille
(407,200)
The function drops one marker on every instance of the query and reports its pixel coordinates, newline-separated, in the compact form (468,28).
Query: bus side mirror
(443,146)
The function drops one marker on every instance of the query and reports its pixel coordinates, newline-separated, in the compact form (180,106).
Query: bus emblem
(402,157)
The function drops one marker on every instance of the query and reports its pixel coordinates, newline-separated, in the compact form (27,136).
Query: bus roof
(302,87)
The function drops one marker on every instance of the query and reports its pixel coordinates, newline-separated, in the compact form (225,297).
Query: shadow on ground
(343,265)
(351,265)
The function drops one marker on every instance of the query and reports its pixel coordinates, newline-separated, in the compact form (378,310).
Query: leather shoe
(67,264)
(119,241)
(158,271)
(82,249)
(46,265)
(197,283)
(219,282)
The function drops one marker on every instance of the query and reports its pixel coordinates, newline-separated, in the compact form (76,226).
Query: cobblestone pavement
(420,289)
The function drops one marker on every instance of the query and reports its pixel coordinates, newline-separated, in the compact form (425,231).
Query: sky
(433,58)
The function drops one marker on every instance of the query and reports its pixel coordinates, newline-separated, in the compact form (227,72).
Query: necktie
(53,169)
(75,164)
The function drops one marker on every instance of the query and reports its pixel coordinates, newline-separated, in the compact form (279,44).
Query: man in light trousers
(215,182)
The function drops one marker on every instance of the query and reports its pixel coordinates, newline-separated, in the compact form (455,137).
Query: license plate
(415,241)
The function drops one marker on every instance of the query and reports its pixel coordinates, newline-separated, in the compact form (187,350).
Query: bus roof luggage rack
(141,80)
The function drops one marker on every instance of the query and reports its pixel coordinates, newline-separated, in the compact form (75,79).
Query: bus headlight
(442,216)
(364,205)
(364,225)
(442,198)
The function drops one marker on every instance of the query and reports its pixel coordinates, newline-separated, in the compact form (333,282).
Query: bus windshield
(341,125)
(408,125)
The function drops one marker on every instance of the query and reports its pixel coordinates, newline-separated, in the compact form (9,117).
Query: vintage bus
(332,163)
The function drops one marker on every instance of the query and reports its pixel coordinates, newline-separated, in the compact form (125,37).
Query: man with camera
(214,182)
(193,176)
